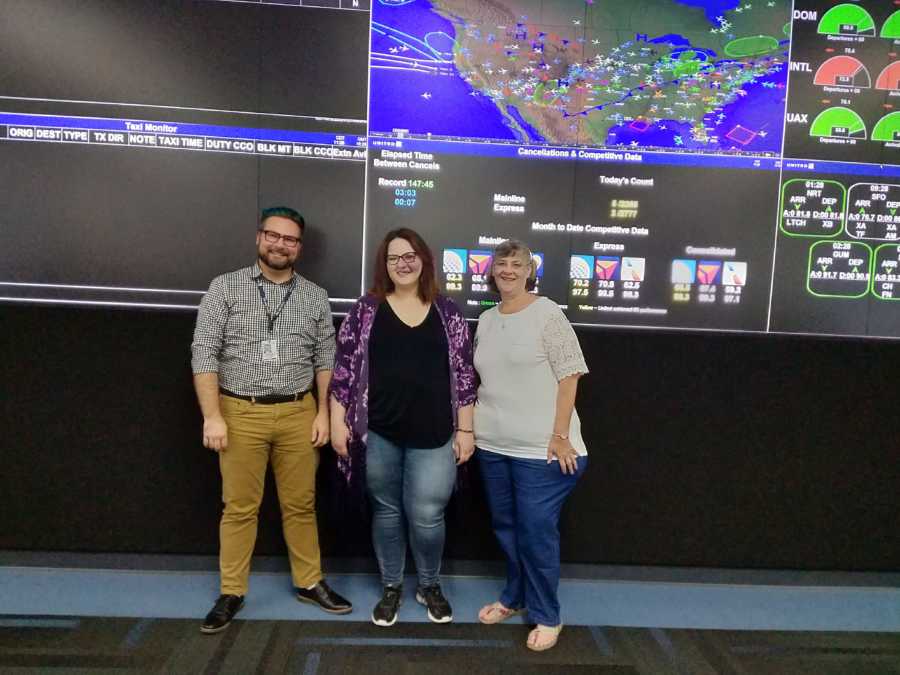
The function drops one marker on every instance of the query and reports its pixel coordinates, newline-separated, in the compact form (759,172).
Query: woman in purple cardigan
(402,396)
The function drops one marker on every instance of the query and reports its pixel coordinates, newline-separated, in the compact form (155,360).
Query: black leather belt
(267,400)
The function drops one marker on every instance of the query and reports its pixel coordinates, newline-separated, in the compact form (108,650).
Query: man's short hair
(517,249)
(283,212)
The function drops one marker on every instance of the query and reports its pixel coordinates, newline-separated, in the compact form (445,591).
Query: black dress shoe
(222,613)
(324,598)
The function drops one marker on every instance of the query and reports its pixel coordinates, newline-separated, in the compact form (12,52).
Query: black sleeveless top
(409,380)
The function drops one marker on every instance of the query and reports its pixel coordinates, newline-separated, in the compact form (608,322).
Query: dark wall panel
(706,450)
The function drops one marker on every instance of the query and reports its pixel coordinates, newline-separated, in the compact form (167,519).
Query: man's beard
(281,264)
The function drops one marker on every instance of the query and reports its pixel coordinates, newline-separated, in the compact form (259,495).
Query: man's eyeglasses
(274,237)
(408,258)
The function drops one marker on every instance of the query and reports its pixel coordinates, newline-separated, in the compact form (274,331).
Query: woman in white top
(528,434)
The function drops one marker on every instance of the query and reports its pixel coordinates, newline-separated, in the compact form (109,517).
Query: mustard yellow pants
(258,434)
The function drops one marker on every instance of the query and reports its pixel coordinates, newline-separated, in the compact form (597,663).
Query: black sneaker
(325,599)
(385,612)
(439,609)
(222,613)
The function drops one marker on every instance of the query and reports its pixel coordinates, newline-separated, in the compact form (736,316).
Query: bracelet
(467,431)
(565,437)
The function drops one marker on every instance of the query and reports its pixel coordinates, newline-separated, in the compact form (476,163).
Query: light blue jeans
(409,489)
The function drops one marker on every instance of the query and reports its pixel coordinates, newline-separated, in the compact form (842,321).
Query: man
(264,335)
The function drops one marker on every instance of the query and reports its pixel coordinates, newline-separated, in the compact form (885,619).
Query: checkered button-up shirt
(233,323)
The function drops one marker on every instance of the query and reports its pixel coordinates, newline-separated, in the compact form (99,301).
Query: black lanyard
(262,296)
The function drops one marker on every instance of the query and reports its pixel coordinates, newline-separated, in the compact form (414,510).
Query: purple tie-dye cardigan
(350,378)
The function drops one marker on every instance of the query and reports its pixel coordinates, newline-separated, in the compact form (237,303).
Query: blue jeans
(409,489)
(525,497)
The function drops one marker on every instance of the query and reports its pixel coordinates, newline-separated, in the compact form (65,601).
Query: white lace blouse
(520,359)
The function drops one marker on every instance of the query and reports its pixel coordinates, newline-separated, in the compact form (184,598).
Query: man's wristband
(565,437)
(466,431)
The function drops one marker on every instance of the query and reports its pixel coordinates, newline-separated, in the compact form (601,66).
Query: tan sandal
(543,638)
(495,613)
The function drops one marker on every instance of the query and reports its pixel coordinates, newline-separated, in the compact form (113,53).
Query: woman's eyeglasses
(408,258)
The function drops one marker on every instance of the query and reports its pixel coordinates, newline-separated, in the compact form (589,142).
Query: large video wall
(139,139)
(679,164)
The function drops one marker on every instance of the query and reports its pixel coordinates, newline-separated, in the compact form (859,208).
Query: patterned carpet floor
(63,645)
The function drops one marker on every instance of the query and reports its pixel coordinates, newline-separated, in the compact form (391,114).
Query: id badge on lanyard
(269,348)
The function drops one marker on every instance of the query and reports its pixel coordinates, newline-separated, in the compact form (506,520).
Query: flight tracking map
(699,75)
